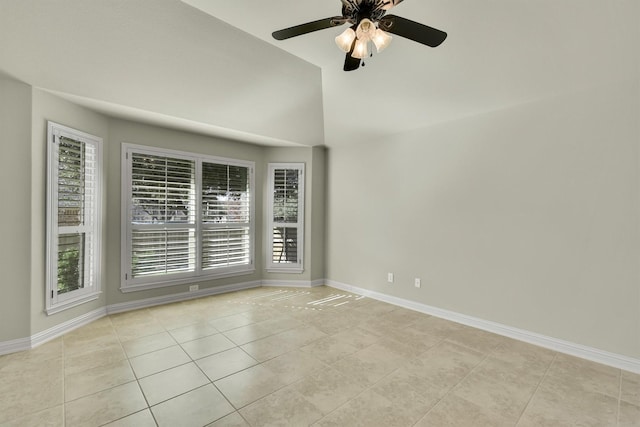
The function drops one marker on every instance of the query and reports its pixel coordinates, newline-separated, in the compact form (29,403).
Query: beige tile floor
(298,357)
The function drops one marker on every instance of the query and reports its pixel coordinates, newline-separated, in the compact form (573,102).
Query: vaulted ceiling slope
(164,62)
(213,67)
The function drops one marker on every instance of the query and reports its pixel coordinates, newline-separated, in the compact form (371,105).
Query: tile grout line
(555,355)
(92,368)
(619,397)
(64,383)
(63,372)
(453,387)
(212,382)
(258,363)
(367,388)
(135,376)
(326,366)
(306,322)
(194,361)
(438,401)
(261,364)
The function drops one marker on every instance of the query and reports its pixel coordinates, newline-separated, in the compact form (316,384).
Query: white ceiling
(499,53)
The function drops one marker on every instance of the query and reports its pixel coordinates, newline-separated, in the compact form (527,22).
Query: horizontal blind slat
(162,189)
(163,192)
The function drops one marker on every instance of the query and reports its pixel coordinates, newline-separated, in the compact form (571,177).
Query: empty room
(324,213)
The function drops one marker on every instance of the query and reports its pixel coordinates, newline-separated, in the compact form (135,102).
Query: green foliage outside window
(70,264)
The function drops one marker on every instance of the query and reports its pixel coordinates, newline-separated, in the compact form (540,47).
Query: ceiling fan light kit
(381,39)
(369,23)
(360,50)
(345,40)
(366,32)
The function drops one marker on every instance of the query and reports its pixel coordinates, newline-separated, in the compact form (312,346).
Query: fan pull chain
(370,56)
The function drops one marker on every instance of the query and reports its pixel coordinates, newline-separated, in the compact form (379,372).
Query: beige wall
(314,161)
(237,82)
(136,133)
(318,213)
(526,216)
(15,179)
(24,113)
(49,107)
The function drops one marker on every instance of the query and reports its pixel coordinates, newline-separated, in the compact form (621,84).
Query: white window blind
(188,217)
(286,217)
(163,215)
(73,210)
(226,213)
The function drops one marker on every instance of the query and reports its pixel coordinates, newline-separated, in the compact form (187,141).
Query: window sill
(72,303)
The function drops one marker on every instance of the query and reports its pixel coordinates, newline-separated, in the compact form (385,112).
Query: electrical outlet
(193,288)
(417,282)
(390,277)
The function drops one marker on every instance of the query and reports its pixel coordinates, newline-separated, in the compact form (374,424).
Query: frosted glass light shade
(381,39)
(366,30)
(345,40)
(361,50)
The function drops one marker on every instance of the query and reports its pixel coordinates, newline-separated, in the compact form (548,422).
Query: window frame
(292,268)
(129,284)
(55,302)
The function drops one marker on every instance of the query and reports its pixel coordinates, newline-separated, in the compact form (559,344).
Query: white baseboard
(51,333)
(28,343)
(68,326)
(183,296)
(14,346)
(600,356)
(293,283)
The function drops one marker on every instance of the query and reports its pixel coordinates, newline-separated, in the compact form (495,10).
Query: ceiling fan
(369,23)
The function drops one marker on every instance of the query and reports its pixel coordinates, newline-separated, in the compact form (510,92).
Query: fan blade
(412,30)
(351,63)
(309,27)
(391,3)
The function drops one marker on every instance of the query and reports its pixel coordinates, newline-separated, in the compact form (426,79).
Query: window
(187,217)
(73,217)
(286,217)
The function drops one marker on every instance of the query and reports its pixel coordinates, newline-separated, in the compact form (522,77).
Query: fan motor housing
(366,9)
